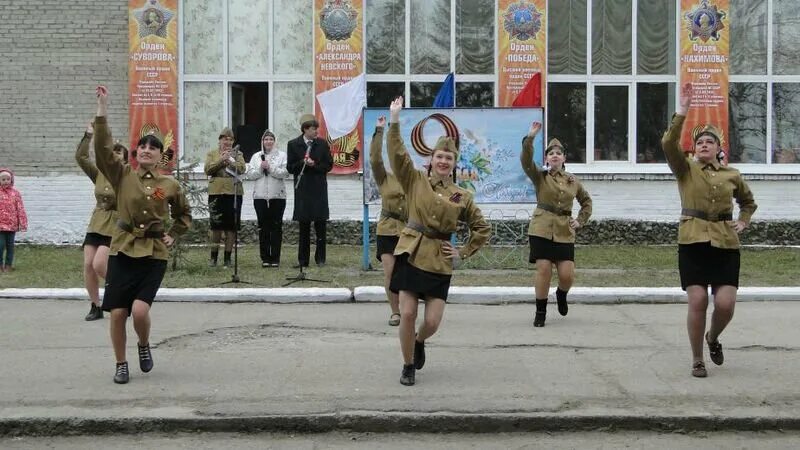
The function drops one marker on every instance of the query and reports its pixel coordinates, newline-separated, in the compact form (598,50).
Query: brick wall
(59,207)
(52,54)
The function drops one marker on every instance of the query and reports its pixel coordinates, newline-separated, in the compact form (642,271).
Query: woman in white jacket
(268,168)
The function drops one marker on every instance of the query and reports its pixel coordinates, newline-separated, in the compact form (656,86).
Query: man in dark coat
(309,160)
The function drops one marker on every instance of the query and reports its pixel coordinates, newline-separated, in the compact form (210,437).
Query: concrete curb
(389,422)
(487,295)
(474,295)
(211,295)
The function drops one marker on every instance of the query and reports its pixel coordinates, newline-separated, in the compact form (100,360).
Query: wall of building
(52,55)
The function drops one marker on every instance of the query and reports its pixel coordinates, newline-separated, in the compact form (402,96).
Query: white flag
(342,105)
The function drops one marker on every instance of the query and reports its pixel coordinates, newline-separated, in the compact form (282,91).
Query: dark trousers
(7,246)
(270,228)
(304,250)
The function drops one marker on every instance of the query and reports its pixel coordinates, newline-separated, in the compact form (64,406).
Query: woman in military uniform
(101,224)
(393,216)
(708,237)
(551,233)
(223,195)
(146,199)
(425,256)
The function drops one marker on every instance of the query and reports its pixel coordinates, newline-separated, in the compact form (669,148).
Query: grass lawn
(60,267)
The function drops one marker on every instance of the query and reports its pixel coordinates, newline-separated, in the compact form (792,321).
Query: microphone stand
(302,275)
(237,183)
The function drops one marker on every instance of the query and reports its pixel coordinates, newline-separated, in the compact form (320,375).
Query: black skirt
(221,215)
(96,240)
(130,279)
(385,244)
(425,284)
(703,265)
(542,248)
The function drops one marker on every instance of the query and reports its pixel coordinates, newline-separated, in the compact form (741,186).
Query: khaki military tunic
(555,194)
(394,212)
(104,217)
(437,205)
(221,182)
(145,201)
(708,188)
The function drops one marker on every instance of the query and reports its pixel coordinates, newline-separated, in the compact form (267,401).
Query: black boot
(95,313)
(226,262)
(408,376)
(145,358)
(541,313)
(212,261)
(419,354)
(561,298)
(121,374)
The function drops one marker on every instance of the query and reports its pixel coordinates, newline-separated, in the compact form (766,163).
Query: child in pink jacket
(12,218)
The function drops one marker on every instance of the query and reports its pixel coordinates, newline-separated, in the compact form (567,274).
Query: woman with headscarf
(268,167)
(708,237)
(551,233)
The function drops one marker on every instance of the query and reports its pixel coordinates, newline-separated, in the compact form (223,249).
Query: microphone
(308,150)
(235,151)
(264,158)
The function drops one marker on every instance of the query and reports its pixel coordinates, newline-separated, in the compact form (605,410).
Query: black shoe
(715,351)
(538,319)
(274,264)
(121,375)
(408,376)
(266,264)
(145,358)
(95,313)
(419,354)
(561,299)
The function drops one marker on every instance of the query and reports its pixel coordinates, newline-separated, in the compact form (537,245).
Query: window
(786,123)
(566,118)
(747,128)
(430,27)
(654,107)
(748,37)
(611,36)
(380,95)
(475,95)
(567,37)
(786,37)
(655,37)
(611,123)
(475,36)
(423,94)
(386,43)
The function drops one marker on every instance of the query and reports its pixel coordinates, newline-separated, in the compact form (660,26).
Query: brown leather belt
(719,217)
(427,232)
(139,232)
(553,209)
(392,215)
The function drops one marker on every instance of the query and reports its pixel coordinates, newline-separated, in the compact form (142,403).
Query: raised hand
(102,100)
(394,109)
(687,92)
(535,128)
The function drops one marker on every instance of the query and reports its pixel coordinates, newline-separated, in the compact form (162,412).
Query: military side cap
(706,129)
(307,118)
(554,143)
(448,144)
(226,132)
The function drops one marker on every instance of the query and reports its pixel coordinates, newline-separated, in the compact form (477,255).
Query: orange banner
(705,51)
(521,46)
(153,74)
(338,58)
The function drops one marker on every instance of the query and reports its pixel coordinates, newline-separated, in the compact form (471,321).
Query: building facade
(611,77)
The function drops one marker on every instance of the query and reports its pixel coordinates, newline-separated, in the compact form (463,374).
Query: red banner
(153,74)
(705,48)
(338,58)
(521,47)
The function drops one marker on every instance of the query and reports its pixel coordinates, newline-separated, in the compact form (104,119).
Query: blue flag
(446,96)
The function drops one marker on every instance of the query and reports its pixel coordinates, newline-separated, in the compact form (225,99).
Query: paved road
(332,367)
